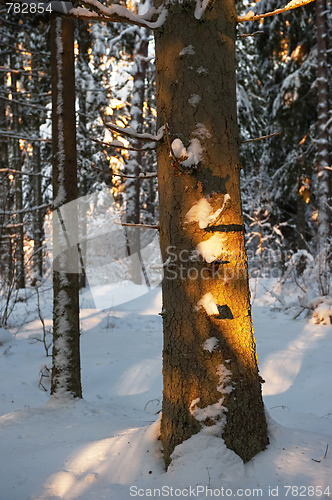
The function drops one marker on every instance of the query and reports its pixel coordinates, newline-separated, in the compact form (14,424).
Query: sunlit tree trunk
(38,231)
(209,360)
(134,165)
(66,373)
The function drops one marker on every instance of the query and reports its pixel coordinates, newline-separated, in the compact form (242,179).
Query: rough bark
(209,358)
(66,373)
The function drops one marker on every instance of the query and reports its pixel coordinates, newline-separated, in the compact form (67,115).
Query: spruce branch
(293,4)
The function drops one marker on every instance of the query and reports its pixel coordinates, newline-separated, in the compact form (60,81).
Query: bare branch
(261,138)
(142,226)
(246,35)
(14,135)
(293,4)
(141,176)
(12,171)
(26,210)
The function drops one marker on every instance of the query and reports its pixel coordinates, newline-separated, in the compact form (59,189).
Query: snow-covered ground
(106,446)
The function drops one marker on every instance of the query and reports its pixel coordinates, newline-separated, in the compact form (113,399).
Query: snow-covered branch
(293,4)
(94,10)
(127,31)
(150,146)
(131,132)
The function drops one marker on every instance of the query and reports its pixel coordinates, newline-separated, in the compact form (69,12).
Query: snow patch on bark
(211,411)
(210,344)
(202,71)
(194,154)
(225,377)
(188,157)
(201,131)
(189,50)
(203,213)
(217,410)
(178,149)
(194,100)
(200,8)
(208,303)
(211,249)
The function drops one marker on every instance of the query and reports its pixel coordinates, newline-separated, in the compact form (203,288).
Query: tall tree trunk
(38,231)
(19,247)
(209,360)
(303,197)
(323,157)
(134,165)
(137,121)
(6,268)
(83,46)
(66,371)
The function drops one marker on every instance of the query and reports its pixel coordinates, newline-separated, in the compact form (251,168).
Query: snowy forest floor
(105,446)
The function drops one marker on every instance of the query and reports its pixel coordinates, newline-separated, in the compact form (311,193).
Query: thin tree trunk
(19,247)
(323,157)
(134,165)
(301,202)
(209,361)
(5,204)
(66,371)
(38,218)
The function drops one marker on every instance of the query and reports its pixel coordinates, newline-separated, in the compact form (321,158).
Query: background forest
(277,90)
